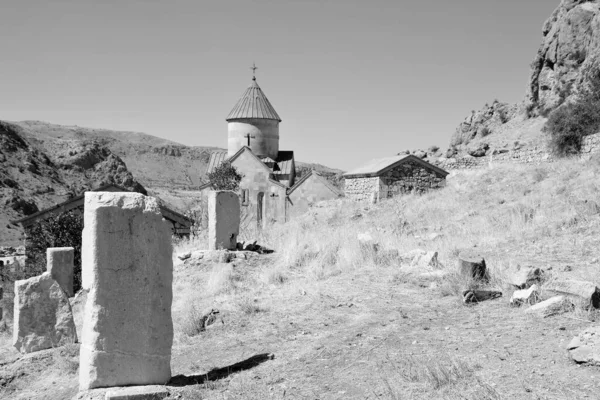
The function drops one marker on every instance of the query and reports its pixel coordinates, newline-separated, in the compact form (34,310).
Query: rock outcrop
(569,49)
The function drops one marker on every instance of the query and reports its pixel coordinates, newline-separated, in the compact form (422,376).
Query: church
(270,191)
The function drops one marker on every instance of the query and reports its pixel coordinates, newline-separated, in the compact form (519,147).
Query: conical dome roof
(253,104)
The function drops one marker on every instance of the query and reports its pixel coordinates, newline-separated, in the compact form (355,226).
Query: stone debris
(529,296)
(77,308)
(524,277)
(552,306)
(585,347)
(128,273)
(223,220)
(59,263)
(424,259)
(366,242)
(151,392)
(42,315)
(585,290)
(184,256)
(479,295)
(472,265)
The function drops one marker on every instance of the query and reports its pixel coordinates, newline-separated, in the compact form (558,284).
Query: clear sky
(351,79)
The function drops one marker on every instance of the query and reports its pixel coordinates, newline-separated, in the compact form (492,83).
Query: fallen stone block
(585,347)
(479,295)
(223,220)
(59,263)
(152,392)
(426,259)
(366,242)
(472,265)
(552,306)
(127,269)
(525,277)
(42,315)
(585,290)
(528,296)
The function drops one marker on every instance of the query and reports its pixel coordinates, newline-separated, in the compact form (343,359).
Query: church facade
(269,191)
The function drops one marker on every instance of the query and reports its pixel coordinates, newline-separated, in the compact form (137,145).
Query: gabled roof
(319,177)
(78,201)
(381,165)
(285,161)
(253,104)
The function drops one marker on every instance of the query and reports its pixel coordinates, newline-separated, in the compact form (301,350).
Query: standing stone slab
(223,220)
(128,273)
(42,315)
(59,263)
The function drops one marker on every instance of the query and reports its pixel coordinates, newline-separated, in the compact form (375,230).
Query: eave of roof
(381,166)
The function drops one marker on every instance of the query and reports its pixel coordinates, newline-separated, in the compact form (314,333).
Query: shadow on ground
(220,373)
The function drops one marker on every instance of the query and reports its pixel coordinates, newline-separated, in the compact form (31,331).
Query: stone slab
(588,291)
(585,347)
(127,269)
(42,315)
(59,263)
(151,392)
(548,307)
(223,220)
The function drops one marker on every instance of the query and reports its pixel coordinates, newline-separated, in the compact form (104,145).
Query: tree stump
(472,265)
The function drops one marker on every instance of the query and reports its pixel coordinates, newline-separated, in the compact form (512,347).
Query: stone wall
(362,189)
(533,156)
(409,177)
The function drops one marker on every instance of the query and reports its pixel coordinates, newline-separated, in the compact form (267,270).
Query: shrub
(60,230)
(568,124)
(225,177)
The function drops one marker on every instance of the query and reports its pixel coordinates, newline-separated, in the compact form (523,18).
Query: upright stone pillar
(128,271)
(223,220)
(59,263)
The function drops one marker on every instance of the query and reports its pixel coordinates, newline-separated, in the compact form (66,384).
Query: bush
(61,230)
(225,177)
(568,124)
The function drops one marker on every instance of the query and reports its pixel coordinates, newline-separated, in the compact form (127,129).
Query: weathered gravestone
(42,315)
(59,263)
(128,273)
(223,220)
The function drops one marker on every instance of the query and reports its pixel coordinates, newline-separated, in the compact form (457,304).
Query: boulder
(552,306)
(585,347)
(585,290)
(184,256)
(472,265)
(524,277)
(529,296)
(478,295)
(42,315)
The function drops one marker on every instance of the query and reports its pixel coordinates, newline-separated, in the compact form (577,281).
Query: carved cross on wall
(247,135)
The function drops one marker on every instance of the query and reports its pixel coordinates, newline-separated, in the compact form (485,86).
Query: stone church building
(269,190)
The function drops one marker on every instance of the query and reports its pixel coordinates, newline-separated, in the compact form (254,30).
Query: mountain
(42,164)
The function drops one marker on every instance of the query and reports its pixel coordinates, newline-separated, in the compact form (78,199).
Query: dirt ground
(366,334)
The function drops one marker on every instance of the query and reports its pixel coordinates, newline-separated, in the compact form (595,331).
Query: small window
(245,197)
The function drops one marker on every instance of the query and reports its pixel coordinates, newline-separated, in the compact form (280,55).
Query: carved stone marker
(223,220)
(42,315)
(128,273)
(59,263)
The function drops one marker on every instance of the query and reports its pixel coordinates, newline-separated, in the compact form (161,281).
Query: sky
(352,80)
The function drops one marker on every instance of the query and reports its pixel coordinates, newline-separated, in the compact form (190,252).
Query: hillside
(331,309)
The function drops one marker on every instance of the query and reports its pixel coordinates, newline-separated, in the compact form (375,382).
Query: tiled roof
(253,104)
(215,160)
(379,166)
(282,166)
